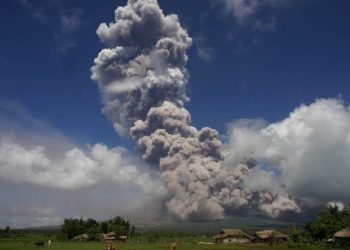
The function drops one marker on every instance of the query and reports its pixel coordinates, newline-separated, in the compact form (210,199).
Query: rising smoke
(142,77)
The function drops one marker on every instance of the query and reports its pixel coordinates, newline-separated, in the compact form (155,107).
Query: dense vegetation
(5,233)
(73,227)
(328,222)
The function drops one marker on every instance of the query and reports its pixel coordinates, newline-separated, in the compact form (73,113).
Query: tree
(104,227)
(329,221)
(133,231)
(69,228)
(74,227)
(294,233)
(7,232)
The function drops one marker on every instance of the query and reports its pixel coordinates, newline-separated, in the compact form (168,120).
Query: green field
(144,246)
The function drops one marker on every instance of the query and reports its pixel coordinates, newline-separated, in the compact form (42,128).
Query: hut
(82,237)
(108,236)
(342,237)
(232,236)
(269,236)
(123,238)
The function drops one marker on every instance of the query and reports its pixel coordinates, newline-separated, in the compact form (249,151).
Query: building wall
(236,240)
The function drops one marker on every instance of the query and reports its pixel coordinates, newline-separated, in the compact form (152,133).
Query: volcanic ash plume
(142,78)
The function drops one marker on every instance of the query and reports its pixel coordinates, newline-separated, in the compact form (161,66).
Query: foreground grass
(145,246)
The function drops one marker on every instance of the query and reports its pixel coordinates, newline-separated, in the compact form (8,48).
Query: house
(123,238)
(269,236)
(82,237)
(232,236)
(342,237)
(108,236)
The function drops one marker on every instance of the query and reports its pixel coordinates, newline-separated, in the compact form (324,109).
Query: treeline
(329,221)
(74,227)
(5,233)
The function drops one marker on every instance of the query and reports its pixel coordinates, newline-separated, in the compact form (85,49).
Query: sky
(270,78)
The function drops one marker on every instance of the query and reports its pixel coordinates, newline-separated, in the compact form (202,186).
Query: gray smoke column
(142,78)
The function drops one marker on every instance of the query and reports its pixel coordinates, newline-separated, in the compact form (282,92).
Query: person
(49,243)
(110,246)
(173,246)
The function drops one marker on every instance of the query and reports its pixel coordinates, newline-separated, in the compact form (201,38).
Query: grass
(10,245)
(26,242)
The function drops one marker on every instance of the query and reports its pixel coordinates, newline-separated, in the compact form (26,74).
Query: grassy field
(145,246)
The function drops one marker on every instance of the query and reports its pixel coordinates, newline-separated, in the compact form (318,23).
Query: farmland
(319,234)
(8,245)
(26,241)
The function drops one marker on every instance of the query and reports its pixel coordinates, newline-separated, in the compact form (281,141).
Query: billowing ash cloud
(142,78)
(144,64)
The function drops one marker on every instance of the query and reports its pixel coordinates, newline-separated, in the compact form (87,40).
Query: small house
(108,236)
(232,236)
(123,238)
(269,236)
(82,237)
(342,237)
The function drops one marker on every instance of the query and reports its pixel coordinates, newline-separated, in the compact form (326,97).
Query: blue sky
(303,58)
(256,61)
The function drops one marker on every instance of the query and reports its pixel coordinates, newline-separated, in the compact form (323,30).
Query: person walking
(173,246)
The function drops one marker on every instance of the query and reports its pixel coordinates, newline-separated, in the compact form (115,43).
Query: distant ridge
(211,227)
(39,229)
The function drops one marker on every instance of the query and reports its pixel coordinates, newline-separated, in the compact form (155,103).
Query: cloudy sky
(228,105)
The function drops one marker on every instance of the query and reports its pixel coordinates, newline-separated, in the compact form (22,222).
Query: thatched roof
(110,234)
(81,237)
(269,234)
(344,233)
(108,237)
(232,233)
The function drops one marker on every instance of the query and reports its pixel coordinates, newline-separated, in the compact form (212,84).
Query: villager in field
(49,243)
(173,246)
(110,246)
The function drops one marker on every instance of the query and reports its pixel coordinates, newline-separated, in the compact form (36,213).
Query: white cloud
(339,204)
(41,166)
(70,170)
(21,216)
(241,10)
(67,21)
(36,11)
(244,11)
(32,152)
(308,151)
(204,51)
